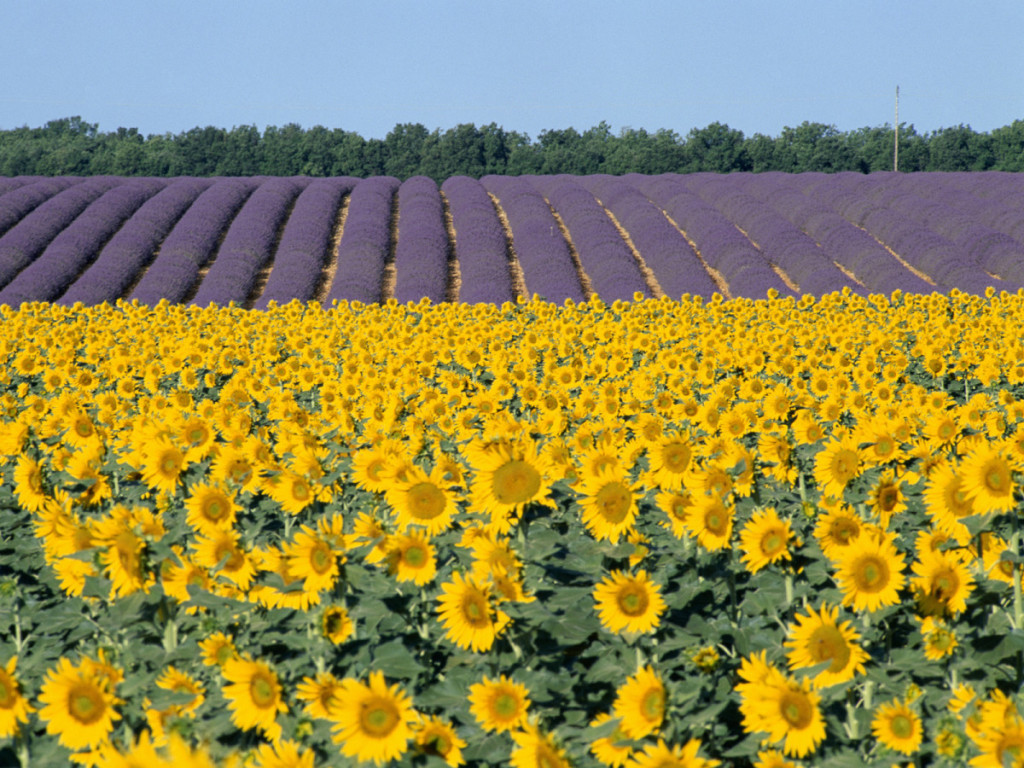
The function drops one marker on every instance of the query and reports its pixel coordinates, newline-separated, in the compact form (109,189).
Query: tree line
(71,146)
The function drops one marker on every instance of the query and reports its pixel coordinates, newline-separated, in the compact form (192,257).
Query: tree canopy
(71,146)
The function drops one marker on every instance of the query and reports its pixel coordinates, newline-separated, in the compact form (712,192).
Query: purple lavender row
(845,244)
(542,252)
(302,252)
(780,241)
(17,203)
(365,242)
(131,249)
(248,244)
(480,247)
(23,242)
(993,251)
(662,247)
(604,256)
(192,241)
(10,183)
(77,246)
(944,262)
(722,246)
(421,255)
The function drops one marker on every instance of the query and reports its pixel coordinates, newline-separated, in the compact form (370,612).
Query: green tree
(1007,145)
(403,150)
(716,148)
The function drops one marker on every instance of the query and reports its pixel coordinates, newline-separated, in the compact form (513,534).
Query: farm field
(254,240)
(630,471)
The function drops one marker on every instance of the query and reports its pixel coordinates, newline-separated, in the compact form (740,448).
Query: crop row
(254,240)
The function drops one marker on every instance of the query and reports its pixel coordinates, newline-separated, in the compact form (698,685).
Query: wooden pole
(896,134)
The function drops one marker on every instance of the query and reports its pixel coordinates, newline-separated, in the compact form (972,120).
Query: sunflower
(987,476)
(336,625)
(210,508)
(942,583)
(369,466)
(314,559)
(640,704)
(661,755)
(163,464)
(79,703)
(28,484)
(422,500)
(14,708)
(411,557)
(669,457)
(886,498)
(837,529)
(434,736)
(939,639)
(283,754)
(372,721)
(534,748)
(499,705)
(613,750)
(609,503)
(628,603)
(223,546)
(836,465)
(466,613)
(675,506)
(319,693)
(772,758)
(896,726)
(819,637)
(217,649)
(765,539)
(946,499)
(709,519)
(787,709)
(294,492)
(253,696)
(870,573)
(507,476)
(173,679)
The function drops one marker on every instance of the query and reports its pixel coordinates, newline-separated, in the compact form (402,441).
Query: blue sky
(167,66)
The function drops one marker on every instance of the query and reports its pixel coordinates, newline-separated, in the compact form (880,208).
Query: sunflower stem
(21,739)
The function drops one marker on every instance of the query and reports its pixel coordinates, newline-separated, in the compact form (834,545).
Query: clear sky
(165,66)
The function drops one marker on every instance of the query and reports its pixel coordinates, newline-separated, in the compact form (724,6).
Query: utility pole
(896,134)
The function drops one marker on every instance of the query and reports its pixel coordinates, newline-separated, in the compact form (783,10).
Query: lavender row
(780,241)
(302,252)
(192,241)
(249,243)
(421,254)
(542,252)
(662,247)
(23,242)
(131,249)
(77,246)
(365,242)
(480,247)
(604,256)
(944,262)
(845,244)
(722,246)
(15,204)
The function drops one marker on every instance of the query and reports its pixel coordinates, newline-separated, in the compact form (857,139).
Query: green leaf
(395,660)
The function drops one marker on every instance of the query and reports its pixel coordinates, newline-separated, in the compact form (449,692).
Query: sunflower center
(828,644)
(676,456)
(214,508)
(320,557)
(170,464)
(415,557)
(716,520)
(224,654)
(845,530)
(632,600)
(333,622)
(378,717)
(945,583)
(844,465)
(300,490)
(83,428)
(86,703)
(652,705)
(772,543)
(888,498)
(261,689)
(506,706)
(872,574)
(426,501)
(941,640)
(439,745)
(546,758)
(614,502)
(474,610)
(902,727)
(515,482)
(997,476)
(796,709)
(7,692)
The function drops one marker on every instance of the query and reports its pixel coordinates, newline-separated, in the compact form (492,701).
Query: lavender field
(253,240)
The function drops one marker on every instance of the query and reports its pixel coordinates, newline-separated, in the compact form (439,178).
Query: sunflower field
(752,533)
